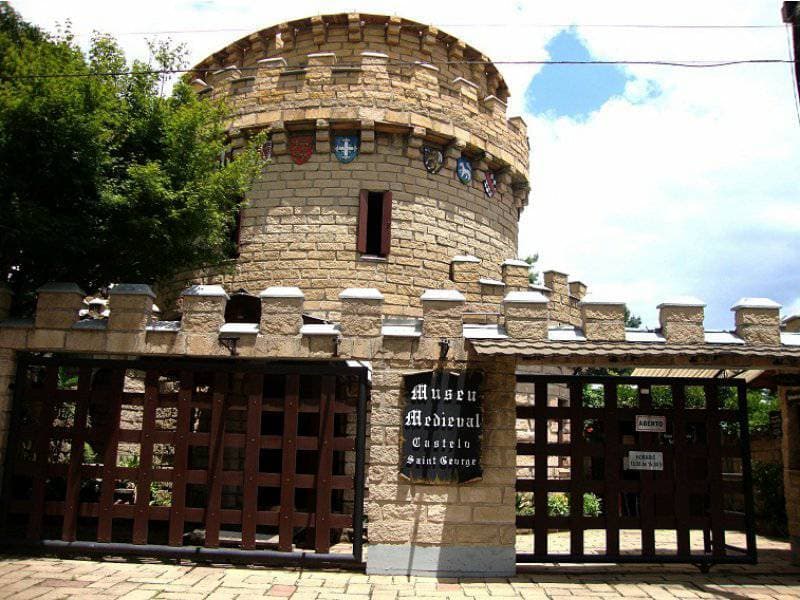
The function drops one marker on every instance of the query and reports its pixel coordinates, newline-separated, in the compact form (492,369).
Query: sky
(646,182)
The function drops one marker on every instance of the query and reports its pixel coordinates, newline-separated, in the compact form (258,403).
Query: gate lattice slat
(254,386)
(216,447)
(249,421)
(289,459)
(688,494)
(177,514)
(104,521)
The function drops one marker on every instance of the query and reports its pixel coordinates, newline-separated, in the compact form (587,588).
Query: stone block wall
(420,74)
(765,448)
(443,529)
(299,228)
(427,529)
(399,86)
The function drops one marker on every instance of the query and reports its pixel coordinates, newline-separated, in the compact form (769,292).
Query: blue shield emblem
(345,147)
(464,170)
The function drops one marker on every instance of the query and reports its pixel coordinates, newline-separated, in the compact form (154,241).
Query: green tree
(104,176)
(533,275)
(631,320)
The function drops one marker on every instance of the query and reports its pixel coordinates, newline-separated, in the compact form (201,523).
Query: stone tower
(382,220)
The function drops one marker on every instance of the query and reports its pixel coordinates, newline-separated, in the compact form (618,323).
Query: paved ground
(50,579)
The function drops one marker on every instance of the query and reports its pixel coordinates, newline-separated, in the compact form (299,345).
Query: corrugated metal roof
(787,356)
(748,375)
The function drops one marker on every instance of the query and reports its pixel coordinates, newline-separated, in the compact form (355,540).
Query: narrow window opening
(374,222)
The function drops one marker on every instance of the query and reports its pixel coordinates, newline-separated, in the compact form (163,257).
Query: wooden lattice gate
(633,469)
(240,461)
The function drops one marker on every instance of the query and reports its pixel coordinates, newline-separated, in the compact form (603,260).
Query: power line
(690,64)
(505,25)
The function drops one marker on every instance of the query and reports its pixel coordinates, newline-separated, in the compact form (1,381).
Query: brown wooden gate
(581,501)
(218,460)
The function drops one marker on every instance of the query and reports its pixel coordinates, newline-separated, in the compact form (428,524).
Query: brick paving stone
(49,579)
(139,595)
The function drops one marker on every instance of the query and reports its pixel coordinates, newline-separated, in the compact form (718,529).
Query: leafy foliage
(631,320)
(533,275)
(106,178)
(759,404)
(768,494)
(558,504)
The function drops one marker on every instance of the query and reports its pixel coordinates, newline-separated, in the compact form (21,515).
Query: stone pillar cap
(489,281)
(785,319)
(526,298)
(61,288)
(690,301)
(360,294)
(465,258)
(591,299)
(321,54)
(467,81)
(443,296)
(132,289)
(276,59)
(282,292)
(206,290)
(755,303)
(515,262)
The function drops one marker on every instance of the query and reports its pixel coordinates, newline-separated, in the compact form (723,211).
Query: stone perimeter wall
(434,529)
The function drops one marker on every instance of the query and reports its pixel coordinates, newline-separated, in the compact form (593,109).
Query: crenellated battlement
(364,331)
(349,68)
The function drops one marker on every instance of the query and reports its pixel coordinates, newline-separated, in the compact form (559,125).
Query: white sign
(645,461)
(654,423)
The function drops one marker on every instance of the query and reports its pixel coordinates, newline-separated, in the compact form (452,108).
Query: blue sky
(647,182)
(570,90)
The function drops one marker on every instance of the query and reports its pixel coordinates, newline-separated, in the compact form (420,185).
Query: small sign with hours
(645,461)
(651,423)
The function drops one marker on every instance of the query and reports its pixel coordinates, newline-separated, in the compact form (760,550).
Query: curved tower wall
(399,86)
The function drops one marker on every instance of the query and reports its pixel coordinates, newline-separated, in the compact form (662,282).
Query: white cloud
(691,191)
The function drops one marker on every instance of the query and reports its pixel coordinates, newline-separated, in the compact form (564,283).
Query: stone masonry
(398,92)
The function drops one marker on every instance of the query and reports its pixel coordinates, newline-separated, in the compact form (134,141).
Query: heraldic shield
(300,147)
(489,185)
(432,158)
(464,170)
(345,147)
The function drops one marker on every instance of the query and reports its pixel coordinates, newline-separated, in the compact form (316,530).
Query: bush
(770,505)
(591,505)
(557,505)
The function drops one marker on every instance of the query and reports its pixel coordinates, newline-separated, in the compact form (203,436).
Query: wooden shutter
(386,224)
(361,235)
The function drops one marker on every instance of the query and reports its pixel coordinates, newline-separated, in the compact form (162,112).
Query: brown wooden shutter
(361,235)
(386,225)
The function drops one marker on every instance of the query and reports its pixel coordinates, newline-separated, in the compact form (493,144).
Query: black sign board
(442,425)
